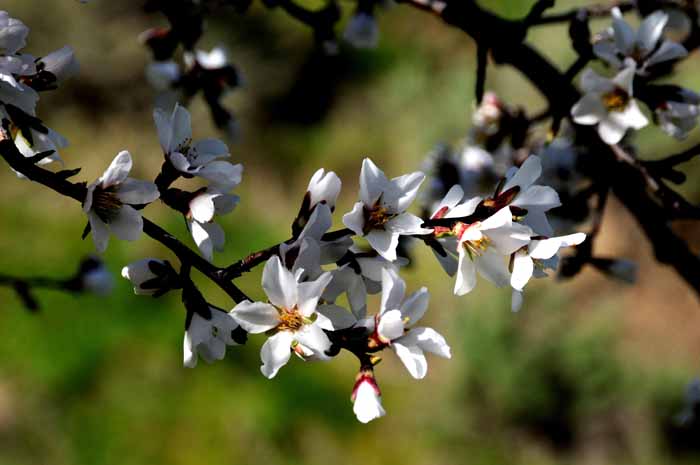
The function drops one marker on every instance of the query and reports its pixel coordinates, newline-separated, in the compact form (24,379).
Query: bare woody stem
(77,191)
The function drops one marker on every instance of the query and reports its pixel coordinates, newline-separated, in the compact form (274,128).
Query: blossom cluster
(503,238)
(635,57)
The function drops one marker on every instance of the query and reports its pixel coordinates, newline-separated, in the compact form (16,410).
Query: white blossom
(207,234)
(13,34)
(61,63)
(623,43)
(394,325)
(367,398)
(217,58)
(291,314)
(201,158)
(109,200)
(381,216)
(533,259)
(609,103)
(533,198)
(140,273)
(208,338)
(40,142)
(483,247)
(678,117)
(324,187)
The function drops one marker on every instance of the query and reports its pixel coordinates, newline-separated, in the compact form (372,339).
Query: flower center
(616,100)
(376,217)
(105,203)
(290,319)
(476,248)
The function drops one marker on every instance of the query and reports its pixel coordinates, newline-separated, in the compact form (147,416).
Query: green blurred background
(590,371)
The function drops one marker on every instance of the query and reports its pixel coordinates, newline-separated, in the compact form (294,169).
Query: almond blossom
(609,104)
(109,203)
(623,43)
(366,397)
(208,338)
(393,326)
(201,158)
(291,314)
(207,234)
(536,200)
(533,259)
(380,216)
(483,247)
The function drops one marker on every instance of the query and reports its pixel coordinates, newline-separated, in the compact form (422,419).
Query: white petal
(650,30)
(355,219)
(523,267)
(592,82)
(415,306)
(428,340)
(668,51)
(118,170)
(412,358)
(368,403)
(502,218)
(324,187)
(279,284)
(624,34)
(136,192)
(321,220)
(451,199)
(464,209)
(632,116)
(333,317)
(181,129)
(202,208)
(384,242)
(611,131)
(466,274)
(208,237)
(164,128)
(255,317)
(547,248)
(138,273)
(589,110)
(312,337)
(408,186)
(222,174)
(543,197)
(391,325)
(527,174)
(373,182)
(492,266)
(393,290)
(407,224)
(275,353)
(309,293)
(128,224)
(99,231)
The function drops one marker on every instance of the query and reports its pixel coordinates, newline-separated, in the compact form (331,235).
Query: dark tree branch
(629,183)
(77,191)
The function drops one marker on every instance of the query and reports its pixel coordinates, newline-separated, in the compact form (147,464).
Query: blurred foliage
(582,375)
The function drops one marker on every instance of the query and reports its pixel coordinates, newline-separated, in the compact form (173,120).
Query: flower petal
(279,284)
(128,224)
(275,353)
(137,192)
(255,317)
(118,170)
